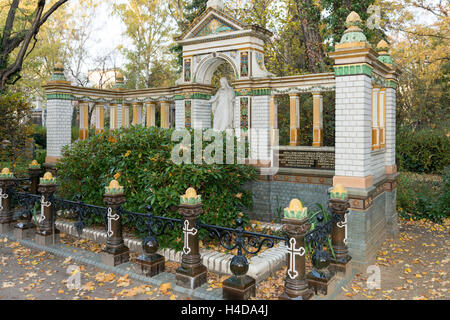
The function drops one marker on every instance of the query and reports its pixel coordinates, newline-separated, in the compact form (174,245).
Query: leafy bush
(141,159)
(15,126)
(40,136)
(424,196)
(423,151)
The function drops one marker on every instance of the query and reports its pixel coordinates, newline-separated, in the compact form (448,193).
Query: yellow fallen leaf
(165,287)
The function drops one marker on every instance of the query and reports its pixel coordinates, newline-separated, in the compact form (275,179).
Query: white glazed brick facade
(179,114)
(119,116)
(237,113)
(59,126)
(353,126)
(260,123)
(390,126)
(201,114)
(377,165)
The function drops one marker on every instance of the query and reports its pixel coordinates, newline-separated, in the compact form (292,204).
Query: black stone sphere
(239,265)
(320,259)
(151,245)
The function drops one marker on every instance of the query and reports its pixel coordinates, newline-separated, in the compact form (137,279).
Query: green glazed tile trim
(179,97)
(386,59)
(353,69)
(60,96)
(254,92)
(391,84)
(202,96)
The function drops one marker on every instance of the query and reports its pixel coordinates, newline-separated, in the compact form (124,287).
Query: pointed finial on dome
(353,19)
(383,51)
(353,36)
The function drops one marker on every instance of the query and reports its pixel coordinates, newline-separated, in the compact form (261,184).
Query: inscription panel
(306,159)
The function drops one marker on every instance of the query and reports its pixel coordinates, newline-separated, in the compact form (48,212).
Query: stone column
(99,118)
(296,286)
(113,117)
(192,273)
(180,112)
(125,115)
(115,251)
(59,115)
(46,233)
(26,228)
(317,119)
(273,121)
(151,113)
(165,114)
(357,166)
(201,112)
(294,116)
(6,212)
(84,120)
(137,113)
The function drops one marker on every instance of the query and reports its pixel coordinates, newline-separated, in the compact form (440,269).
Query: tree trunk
(309,18)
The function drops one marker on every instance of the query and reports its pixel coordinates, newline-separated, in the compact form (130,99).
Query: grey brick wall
(268,196)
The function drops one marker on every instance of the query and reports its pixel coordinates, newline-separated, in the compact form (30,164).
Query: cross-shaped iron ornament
(44,204)
(111,217)
(343,224)
(187,232)
(292,253)
(2,196)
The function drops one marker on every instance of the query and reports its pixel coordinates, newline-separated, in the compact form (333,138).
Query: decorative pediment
(214,26)
(212,22)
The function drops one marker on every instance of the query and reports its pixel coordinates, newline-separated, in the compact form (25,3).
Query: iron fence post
(6,212)
(296,286)
(46,233)
(115,252)
(192,273)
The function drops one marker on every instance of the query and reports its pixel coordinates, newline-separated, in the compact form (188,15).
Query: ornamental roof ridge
(208,15)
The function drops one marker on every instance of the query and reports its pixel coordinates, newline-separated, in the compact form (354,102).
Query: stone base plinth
(191,278)
(46,240)
(24,230)
(341,268)
(113,259)
(151,265)
(320,282)
(7,227)
(305,295)
(239,288)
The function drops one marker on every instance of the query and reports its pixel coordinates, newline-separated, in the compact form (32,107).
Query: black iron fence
(321,236)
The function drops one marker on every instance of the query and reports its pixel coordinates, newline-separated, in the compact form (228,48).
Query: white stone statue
(223,106)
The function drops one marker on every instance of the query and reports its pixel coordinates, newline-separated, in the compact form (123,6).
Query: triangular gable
(214,26)
(212,22)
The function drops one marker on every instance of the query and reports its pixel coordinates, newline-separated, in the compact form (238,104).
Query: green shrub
(142,157)
(423,151)
(424,196)
(40,136)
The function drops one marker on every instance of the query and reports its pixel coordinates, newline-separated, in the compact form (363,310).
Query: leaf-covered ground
(413,266)
(30,274)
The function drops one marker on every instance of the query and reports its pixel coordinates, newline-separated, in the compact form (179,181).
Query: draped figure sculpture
(223,106)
